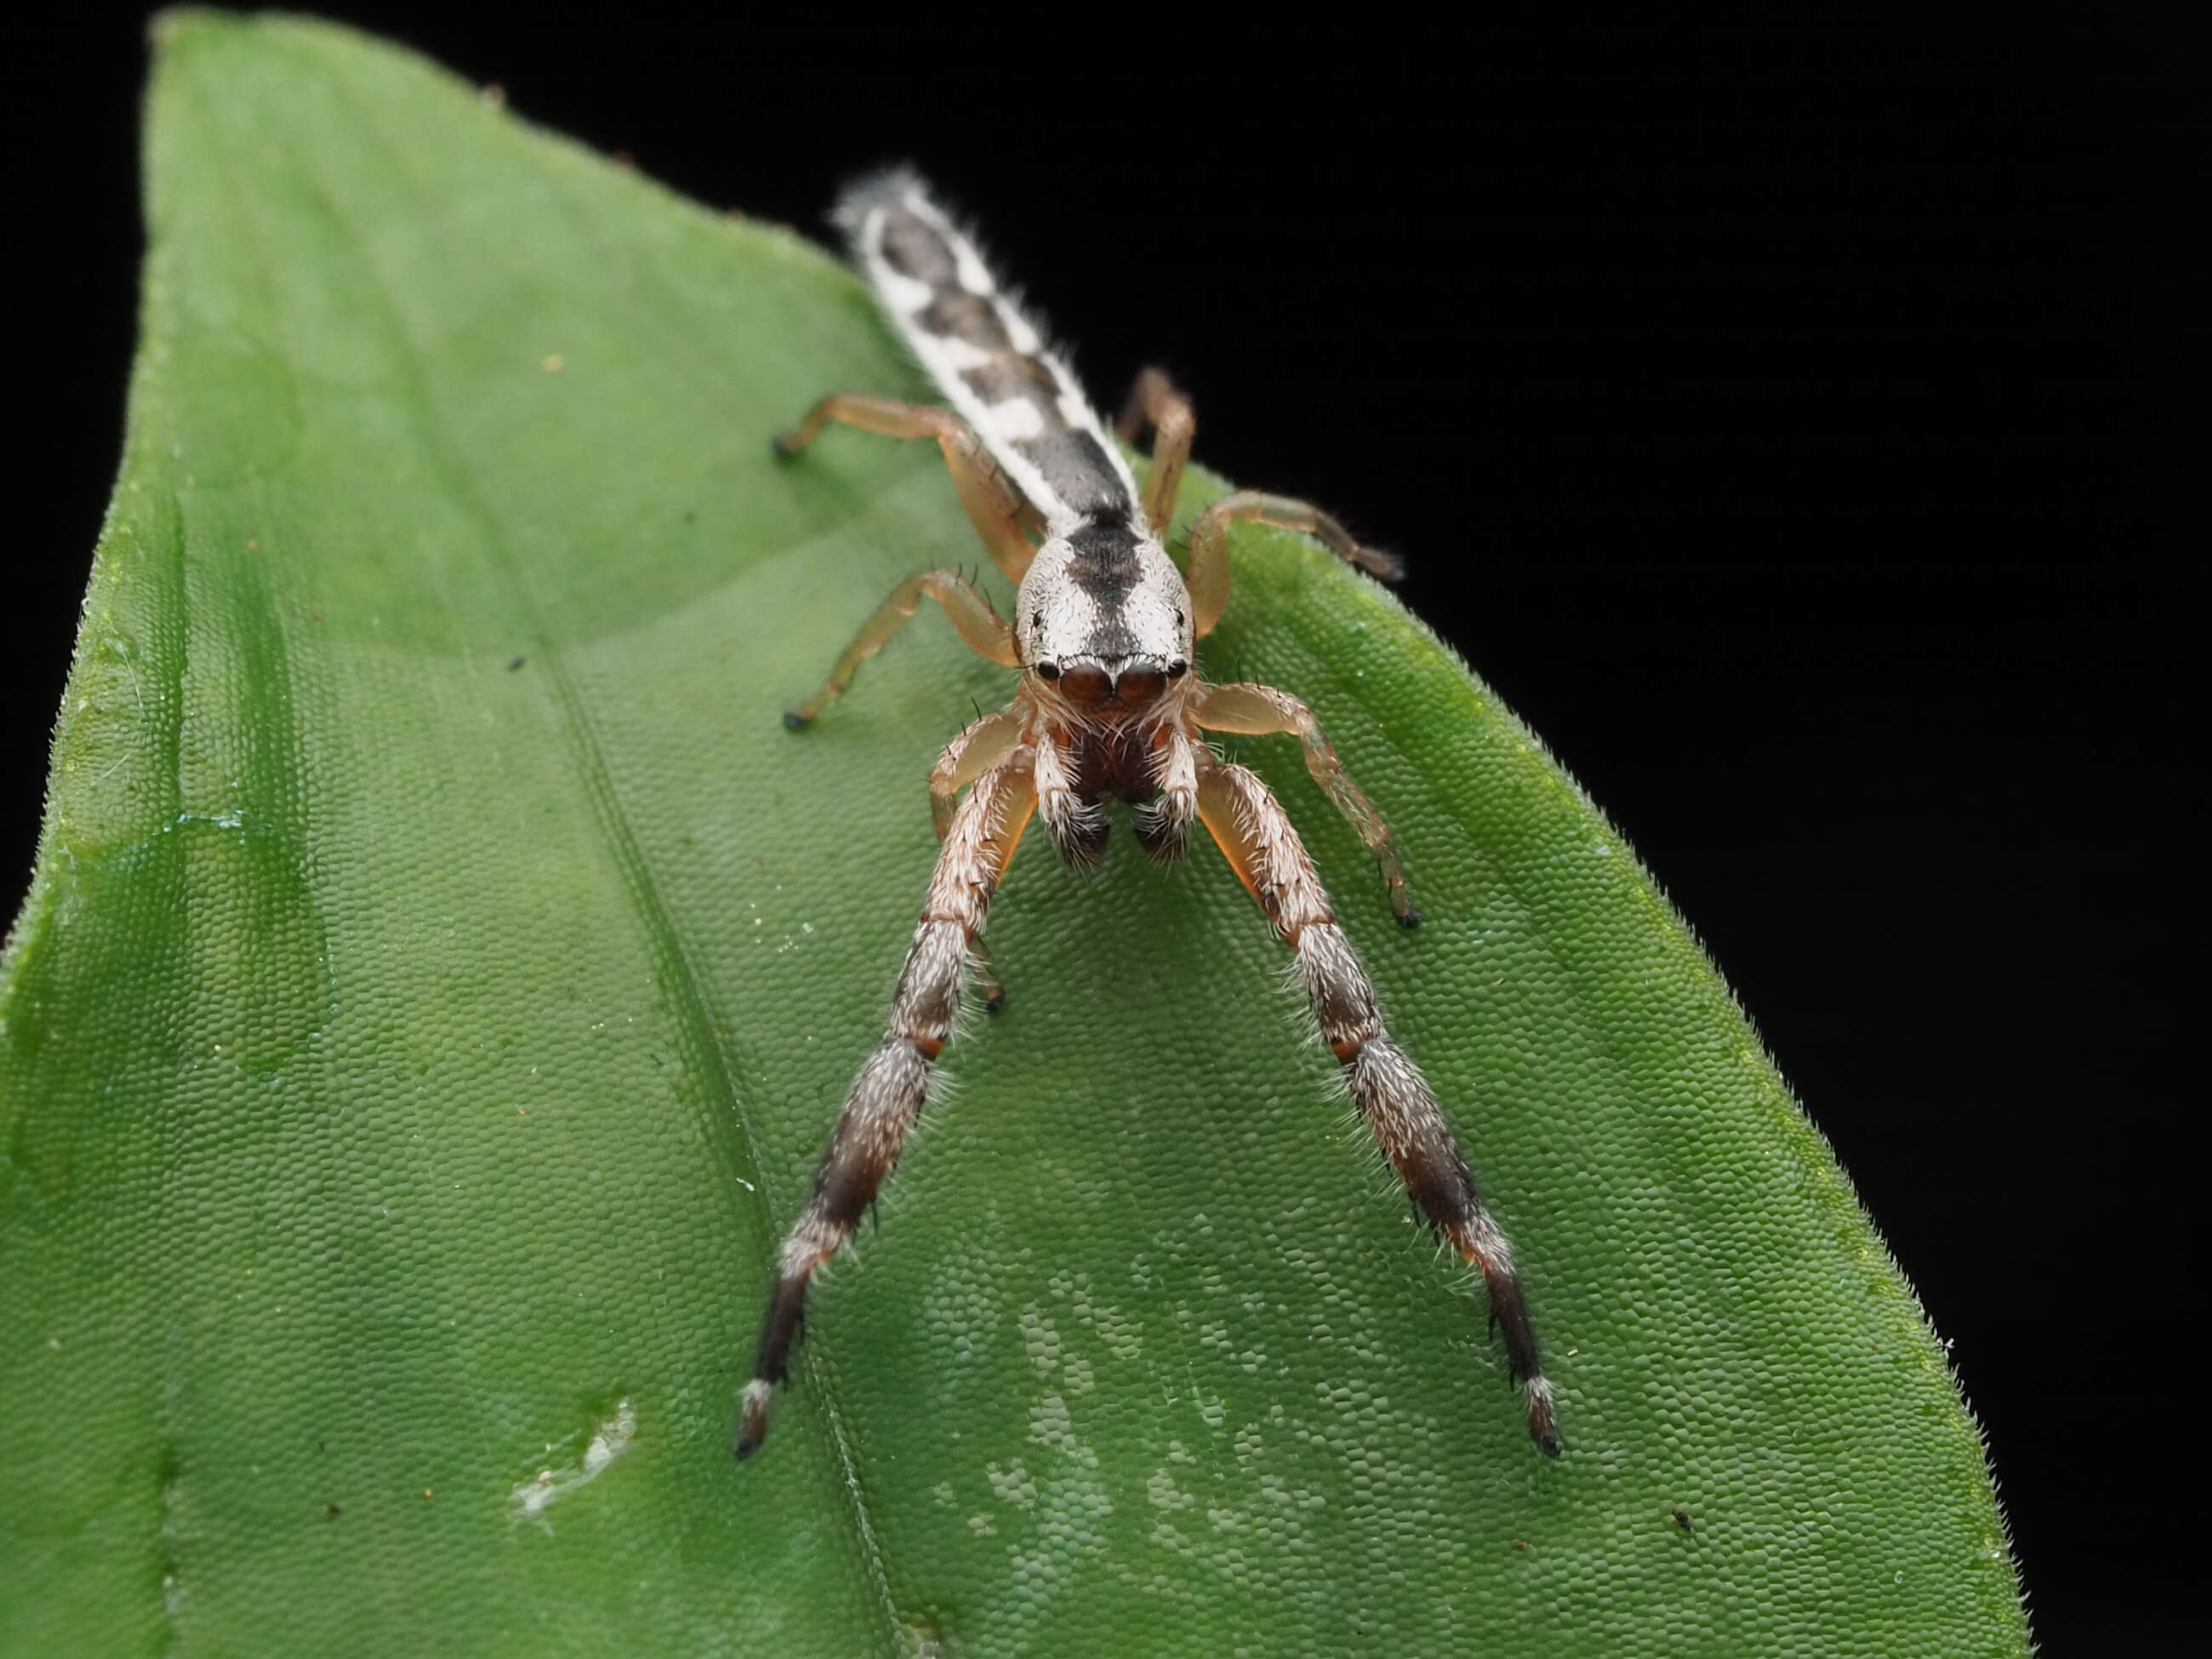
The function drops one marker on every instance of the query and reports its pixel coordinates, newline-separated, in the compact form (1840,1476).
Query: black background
(1792,421)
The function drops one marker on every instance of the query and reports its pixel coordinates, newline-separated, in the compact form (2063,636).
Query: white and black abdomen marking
(991,361)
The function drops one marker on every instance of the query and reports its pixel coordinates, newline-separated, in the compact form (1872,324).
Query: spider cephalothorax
(1107,708)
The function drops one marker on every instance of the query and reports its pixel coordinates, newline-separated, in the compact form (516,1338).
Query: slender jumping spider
(1107,707)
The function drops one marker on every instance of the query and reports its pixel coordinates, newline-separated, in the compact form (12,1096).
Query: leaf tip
(167,28)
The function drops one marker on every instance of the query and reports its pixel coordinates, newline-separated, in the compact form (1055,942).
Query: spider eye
(1048,670)
(1138,686)
(1177,669)
(1086,684)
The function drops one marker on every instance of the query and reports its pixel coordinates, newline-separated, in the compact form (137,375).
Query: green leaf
(443,968)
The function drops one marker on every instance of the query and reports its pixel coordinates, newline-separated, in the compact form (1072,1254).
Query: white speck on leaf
(531,1499)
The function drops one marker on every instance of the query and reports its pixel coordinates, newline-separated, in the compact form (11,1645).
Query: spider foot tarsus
(1401,902)
(1543,1421)
(781,1332)
(752,1418)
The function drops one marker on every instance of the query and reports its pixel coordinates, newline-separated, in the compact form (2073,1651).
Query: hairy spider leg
(1262,845)
(981,745)
(1262,711)
(986,631)
(1206,568)
(995,507)
(1155,401)
(887,1096)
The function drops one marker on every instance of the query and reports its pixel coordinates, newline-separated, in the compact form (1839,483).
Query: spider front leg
(982,747)
(1263,847)
(988,632)
(887,1094)
(1207,567)
(1262,711)
(995,507)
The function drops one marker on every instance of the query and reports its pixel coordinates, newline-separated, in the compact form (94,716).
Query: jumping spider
(1107,707)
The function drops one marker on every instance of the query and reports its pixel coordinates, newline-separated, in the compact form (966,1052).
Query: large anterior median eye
(1086,684)
(1138,686)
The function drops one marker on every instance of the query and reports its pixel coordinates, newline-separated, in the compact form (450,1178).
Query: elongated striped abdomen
(990,359)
